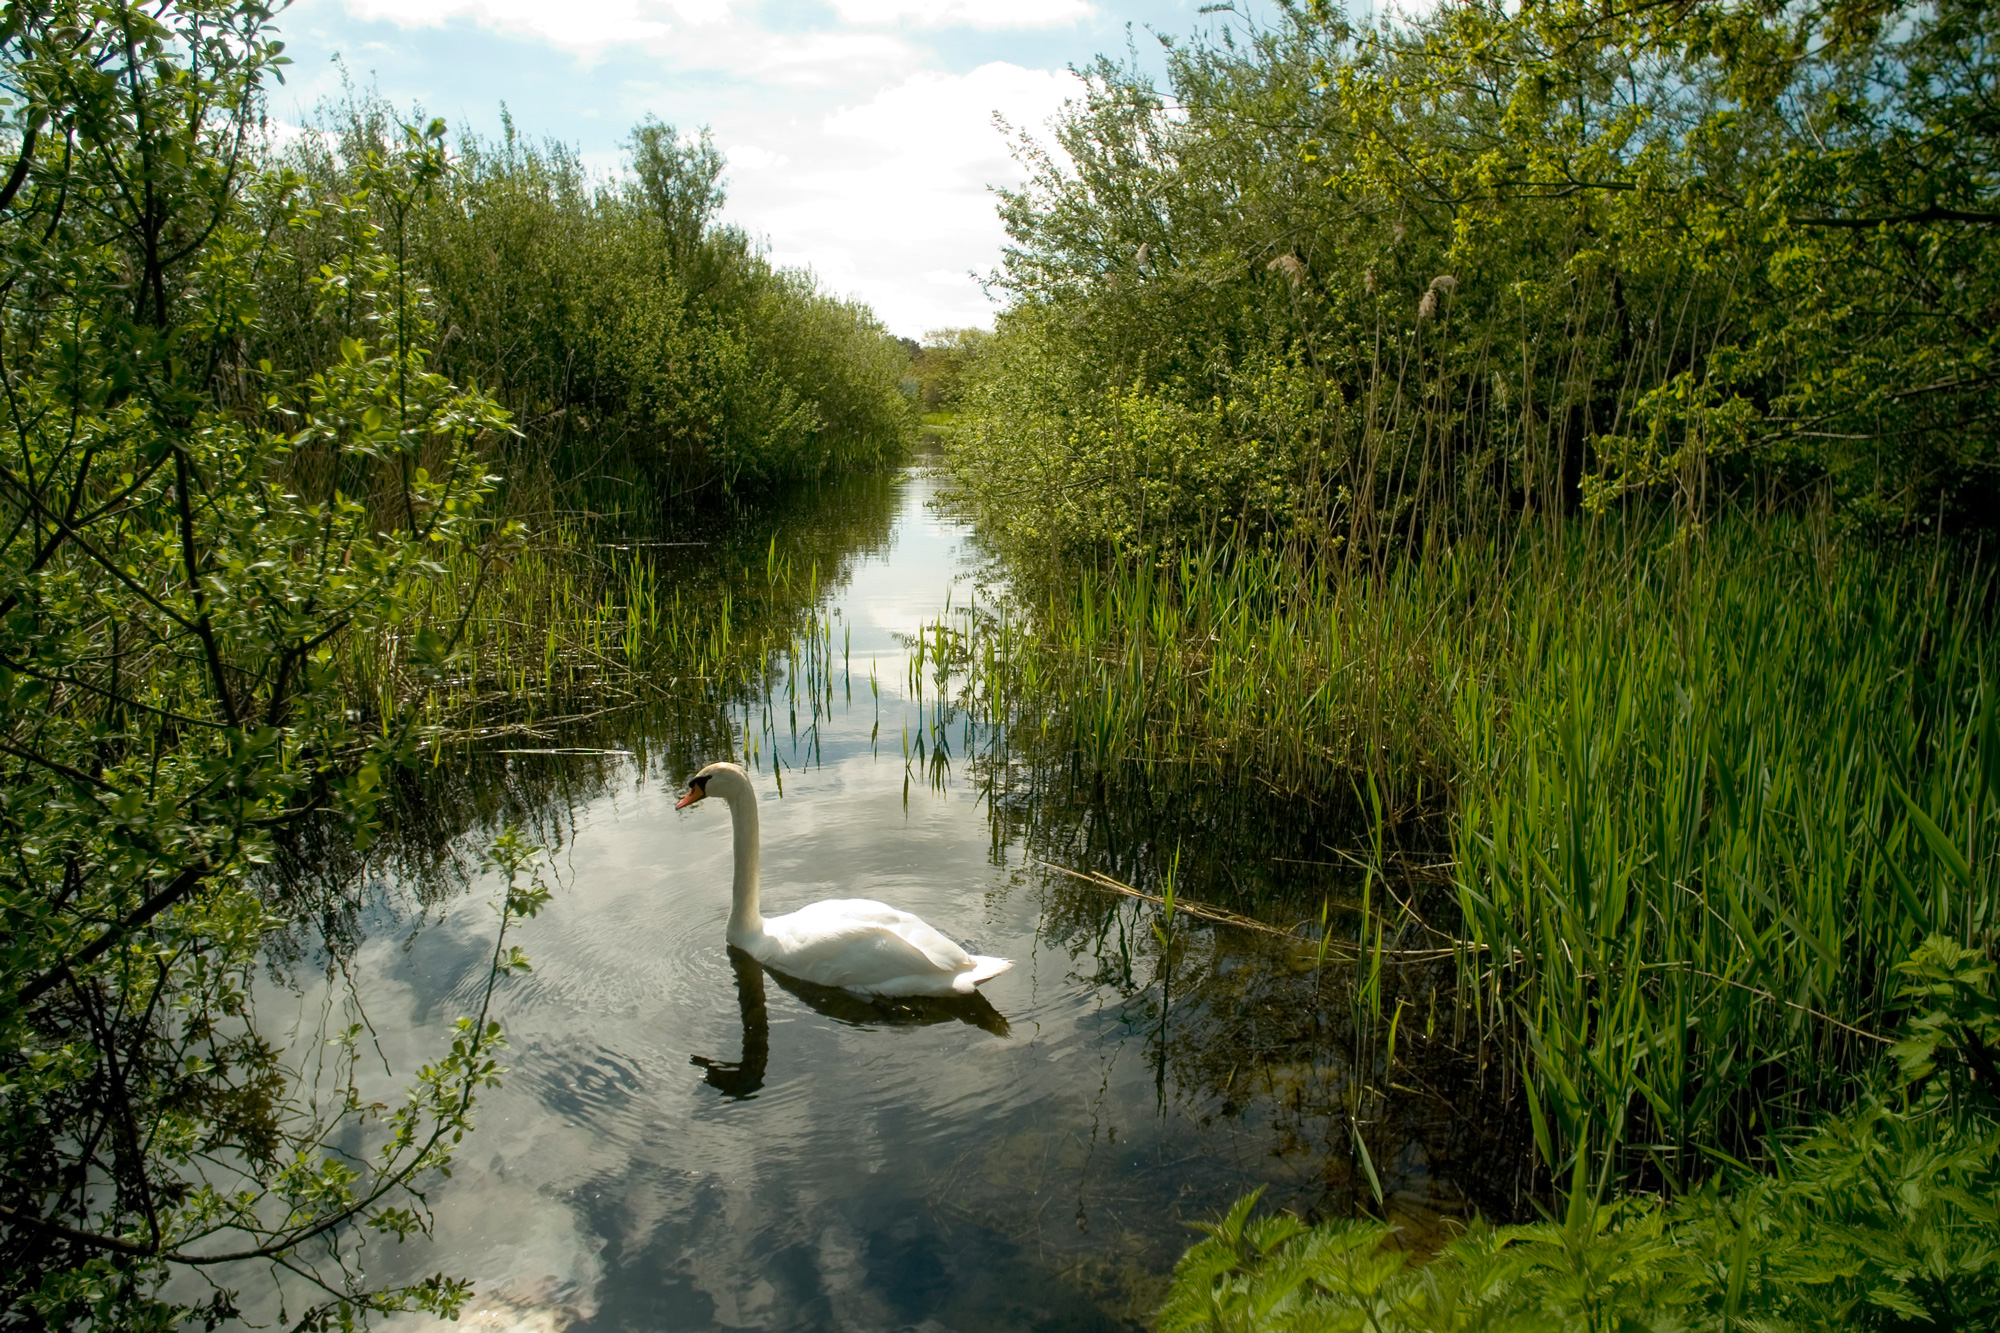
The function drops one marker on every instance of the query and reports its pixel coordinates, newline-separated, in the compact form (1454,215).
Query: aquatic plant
(1883,1217)
(1704,810)
(1704,791)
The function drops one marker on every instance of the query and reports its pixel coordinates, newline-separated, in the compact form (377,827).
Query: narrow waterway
(684,1142)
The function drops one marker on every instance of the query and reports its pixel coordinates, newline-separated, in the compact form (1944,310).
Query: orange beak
(694,794)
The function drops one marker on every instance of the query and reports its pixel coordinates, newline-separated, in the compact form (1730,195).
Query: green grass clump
(1706,788)
(1883,1218)
(1875,1231)
(1297,675)
(1707,799)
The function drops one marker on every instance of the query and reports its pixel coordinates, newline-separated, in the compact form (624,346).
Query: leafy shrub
(645,349)
(188,538)
(1887,1217)
(1516,257)
(1046,460)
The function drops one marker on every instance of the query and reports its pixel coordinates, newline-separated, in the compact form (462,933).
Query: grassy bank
(1514,434)
(1707,801)
(1698,788)
(1708,794)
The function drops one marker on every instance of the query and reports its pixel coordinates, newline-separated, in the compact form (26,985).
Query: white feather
(856,944)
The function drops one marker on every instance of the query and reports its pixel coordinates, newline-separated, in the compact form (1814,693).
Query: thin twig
(1223,916)
(1767,995)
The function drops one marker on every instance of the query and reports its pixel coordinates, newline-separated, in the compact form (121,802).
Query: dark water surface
(682,1142)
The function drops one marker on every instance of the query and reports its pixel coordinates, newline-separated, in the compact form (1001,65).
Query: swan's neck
(745,921)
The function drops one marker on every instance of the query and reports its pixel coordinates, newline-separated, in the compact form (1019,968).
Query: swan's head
(719,779)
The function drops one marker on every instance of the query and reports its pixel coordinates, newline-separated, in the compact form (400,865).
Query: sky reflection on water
(683,1143)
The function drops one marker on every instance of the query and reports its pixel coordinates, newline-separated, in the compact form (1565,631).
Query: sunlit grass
(563,626)
(1706,800)
(1705,788)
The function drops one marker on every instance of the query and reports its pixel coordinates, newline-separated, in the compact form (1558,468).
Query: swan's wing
(943,951)
(856,942)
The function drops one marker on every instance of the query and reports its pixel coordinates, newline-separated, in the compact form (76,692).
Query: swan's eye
(697,788)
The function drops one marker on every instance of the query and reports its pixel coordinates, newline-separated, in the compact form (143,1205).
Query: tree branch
(1935,213)
(20,172)
(177,888)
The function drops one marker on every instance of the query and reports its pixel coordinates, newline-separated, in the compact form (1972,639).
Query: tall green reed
(1704,805)
(1297,676)
(561,624)
(1707,786)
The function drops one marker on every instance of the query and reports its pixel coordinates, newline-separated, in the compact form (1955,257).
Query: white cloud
(967,13)
(930,115)
(888,198)
(754,157)
(604,163)
(831,60)
(282,134)
(705,36)
(858,147)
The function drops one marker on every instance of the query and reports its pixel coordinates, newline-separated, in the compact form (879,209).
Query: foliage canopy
(1343,279)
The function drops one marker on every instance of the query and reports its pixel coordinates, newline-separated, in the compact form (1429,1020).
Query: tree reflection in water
(539,773)
(1249,1029)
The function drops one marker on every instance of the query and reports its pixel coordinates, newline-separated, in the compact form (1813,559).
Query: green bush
(646,350)
(189,539)
(1432,271)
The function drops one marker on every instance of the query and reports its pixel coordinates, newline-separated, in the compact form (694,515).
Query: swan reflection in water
(742,1078)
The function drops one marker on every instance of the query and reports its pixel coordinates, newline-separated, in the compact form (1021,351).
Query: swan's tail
(984,968)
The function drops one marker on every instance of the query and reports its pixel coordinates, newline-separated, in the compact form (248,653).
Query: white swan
(851,943)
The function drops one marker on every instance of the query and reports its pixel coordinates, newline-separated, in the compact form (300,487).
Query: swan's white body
(853,943)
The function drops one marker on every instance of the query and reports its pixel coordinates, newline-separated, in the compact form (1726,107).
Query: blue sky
(858,132)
